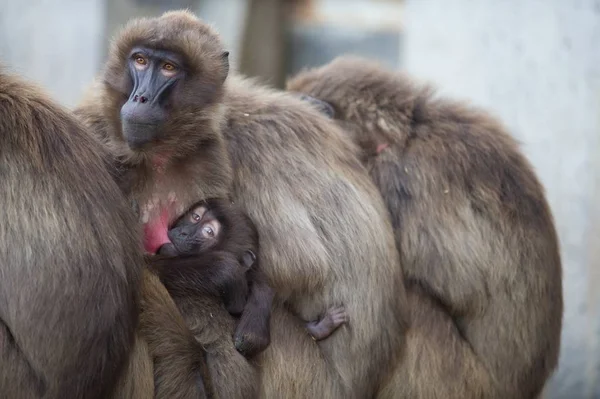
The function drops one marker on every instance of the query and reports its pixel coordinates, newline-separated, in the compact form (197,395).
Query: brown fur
(70,258)
(137,380)
(475,233)
(325,234)
(179,362)
(166,361)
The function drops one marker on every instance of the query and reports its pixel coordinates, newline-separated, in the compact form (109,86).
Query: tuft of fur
(70,259)
(475,233)
(325,234)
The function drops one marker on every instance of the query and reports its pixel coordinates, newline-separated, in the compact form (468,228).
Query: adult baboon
(474,230)
(177,122)
(70,257)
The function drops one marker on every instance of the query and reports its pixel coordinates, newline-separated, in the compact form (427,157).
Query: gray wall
(56,44)
(62,44)
(227,15)
(320,30)
(535,64)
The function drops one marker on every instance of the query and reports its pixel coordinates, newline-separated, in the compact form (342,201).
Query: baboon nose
(142,99)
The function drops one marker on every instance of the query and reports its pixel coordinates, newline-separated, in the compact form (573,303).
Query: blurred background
(533,63)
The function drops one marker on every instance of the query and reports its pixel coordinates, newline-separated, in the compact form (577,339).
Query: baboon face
(314,86)
(163,70)
(215,225)
(197,231)
(322,106)
(328,91)
(154,75)
(352,91)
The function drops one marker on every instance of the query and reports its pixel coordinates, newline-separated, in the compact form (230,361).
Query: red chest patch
(155,232)
(382,147)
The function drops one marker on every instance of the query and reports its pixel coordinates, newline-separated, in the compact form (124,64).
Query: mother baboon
(475,233)
(182,129)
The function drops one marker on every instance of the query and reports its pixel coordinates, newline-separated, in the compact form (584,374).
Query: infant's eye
(208,231)
(195,217)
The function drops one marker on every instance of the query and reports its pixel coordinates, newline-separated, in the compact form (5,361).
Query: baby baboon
(212,251)
(70,260)
(472,225)
(214,244)
(178,122)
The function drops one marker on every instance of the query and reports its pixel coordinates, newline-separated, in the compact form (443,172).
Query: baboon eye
(197,213)
(140,60)
(208,231)
(169,69)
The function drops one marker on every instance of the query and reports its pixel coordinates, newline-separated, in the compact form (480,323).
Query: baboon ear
(225,59)
(322,106)
(248,259)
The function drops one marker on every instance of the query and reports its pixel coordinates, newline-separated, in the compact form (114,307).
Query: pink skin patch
(155,232)
(160,161)
(381,147)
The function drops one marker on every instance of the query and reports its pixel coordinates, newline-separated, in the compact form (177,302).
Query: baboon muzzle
(144,113)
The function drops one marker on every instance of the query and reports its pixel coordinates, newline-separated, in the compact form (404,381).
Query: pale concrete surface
(321,30)
(535,64)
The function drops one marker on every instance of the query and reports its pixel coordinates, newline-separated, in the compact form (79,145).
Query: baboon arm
(180,367)
(137,380)
(218,274)
(252,334)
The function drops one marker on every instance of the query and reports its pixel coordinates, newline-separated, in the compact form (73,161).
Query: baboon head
(166,75)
